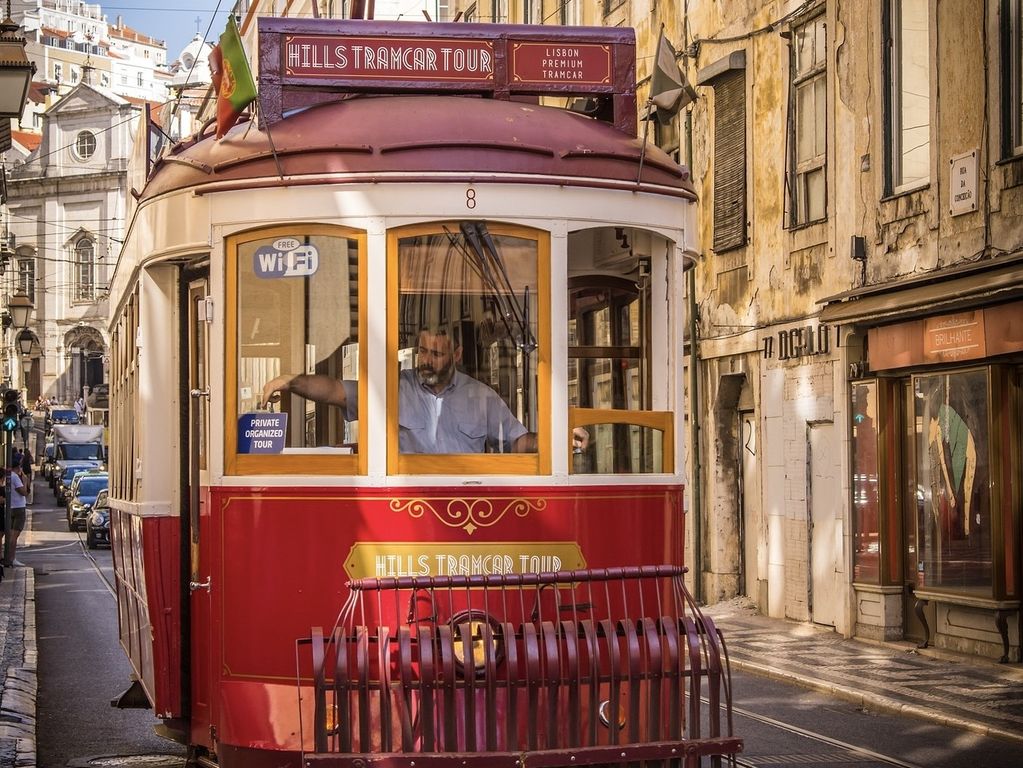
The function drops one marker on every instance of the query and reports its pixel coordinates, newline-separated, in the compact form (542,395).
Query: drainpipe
(694,408)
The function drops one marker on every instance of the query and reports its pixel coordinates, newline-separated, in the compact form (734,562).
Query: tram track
(853,750)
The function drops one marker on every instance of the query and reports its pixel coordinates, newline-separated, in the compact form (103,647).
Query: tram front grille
(585,667)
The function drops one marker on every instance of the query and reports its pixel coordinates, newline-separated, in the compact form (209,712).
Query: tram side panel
(280,560)
(147,567)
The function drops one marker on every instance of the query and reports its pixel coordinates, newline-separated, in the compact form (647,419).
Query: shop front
(935,456)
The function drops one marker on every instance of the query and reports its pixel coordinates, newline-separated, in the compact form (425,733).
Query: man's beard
(432,377)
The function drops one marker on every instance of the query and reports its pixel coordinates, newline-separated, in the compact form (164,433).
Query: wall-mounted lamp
(15,69)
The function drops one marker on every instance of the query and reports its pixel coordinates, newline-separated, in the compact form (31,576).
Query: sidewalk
(958,691)
(18,669)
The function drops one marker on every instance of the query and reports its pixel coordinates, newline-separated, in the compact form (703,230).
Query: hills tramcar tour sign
(442,59)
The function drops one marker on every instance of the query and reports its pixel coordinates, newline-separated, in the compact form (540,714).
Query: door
(824,504)
(753,577)
(198,626)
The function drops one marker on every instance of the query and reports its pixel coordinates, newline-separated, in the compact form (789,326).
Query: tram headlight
(604,713)
(477,658)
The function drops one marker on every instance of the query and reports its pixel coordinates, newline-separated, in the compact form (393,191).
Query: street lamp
(20,306)
(15,69)
(25,343)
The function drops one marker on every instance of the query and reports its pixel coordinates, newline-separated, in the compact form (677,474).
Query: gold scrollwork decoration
(468,514)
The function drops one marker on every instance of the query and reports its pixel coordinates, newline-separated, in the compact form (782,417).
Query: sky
(173,21)
(177,21)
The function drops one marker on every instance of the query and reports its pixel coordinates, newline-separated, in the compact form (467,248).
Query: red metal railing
(588,667)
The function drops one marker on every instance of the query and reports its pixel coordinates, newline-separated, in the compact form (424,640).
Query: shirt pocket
(470,419)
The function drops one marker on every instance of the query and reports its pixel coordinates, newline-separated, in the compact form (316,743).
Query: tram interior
(480,282)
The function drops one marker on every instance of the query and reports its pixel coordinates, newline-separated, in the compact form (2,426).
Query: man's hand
(580,440)
(274,388)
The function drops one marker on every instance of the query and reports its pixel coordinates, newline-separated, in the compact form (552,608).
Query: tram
(396,461)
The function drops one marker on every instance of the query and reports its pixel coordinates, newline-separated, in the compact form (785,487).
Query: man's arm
(528,442)
(525,443)
(314,386)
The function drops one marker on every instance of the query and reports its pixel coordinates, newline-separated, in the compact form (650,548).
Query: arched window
(85,270)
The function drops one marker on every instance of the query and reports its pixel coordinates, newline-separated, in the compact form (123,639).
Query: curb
(876,702)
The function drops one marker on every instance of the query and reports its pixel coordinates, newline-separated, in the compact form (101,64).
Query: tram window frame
(326,460)
(621,436)
(538,463)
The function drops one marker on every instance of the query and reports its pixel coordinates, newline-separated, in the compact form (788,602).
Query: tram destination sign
(383,59)
(305,62)
(388,58)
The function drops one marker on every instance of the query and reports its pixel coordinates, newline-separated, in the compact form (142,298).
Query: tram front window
(297,315)
(465,340)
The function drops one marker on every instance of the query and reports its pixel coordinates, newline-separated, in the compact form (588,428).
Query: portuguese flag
(232,78)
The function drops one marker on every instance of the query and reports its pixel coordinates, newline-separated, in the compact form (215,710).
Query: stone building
(859,338)
(66,209)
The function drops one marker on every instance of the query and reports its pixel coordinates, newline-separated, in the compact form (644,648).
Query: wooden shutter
(730,161)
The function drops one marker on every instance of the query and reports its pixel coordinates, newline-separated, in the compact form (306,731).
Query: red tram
(396,466)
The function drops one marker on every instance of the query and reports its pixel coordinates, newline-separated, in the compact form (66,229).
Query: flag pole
(642,149)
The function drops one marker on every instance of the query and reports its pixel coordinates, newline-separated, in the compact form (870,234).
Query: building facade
(858,345)
(65,38)
(66,211)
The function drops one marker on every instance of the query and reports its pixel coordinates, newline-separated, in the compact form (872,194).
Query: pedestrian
(14,477)
(28,470)
(26,424)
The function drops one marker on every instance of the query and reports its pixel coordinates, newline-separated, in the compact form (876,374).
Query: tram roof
(404,138)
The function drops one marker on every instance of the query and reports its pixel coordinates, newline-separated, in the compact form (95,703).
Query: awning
(945,290)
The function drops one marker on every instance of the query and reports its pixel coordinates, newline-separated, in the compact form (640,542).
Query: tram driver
(440,409)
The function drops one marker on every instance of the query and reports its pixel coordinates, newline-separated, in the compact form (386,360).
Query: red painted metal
(290,547)
(525,668)
(420,136)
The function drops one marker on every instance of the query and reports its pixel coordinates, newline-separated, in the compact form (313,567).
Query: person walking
(28,471)
(14,477)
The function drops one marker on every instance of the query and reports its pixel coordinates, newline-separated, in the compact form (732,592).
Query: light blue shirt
(466,417)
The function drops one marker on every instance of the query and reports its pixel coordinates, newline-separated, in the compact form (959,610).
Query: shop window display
(952,469)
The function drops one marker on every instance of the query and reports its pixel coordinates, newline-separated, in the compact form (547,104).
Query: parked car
(81,496)
(62,482)
(97,525)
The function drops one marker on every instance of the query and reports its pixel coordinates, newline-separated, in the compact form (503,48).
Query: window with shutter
(730,161)
(807,124)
